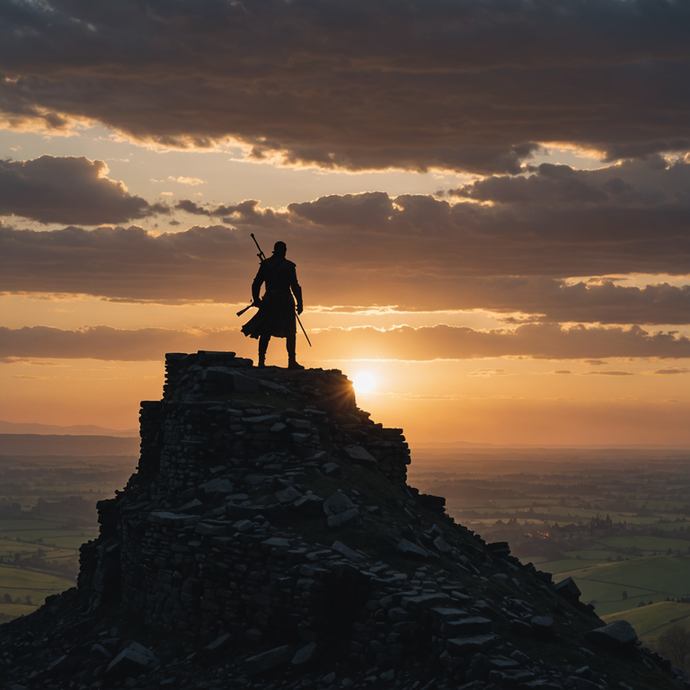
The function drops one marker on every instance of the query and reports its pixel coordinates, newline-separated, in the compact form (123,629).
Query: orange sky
(504,247)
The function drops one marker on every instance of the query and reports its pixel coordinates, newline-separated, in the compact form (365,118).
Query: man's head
(280,248)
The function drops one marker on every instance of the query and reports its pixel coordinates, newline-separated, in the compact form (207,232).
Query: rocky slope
(269,540)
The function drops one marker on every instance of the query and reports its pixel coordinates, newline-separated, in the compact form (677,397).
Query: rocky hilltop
(269,539)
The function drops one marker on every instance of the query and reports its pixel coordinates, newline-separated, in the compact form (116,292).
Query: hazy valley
(616,520)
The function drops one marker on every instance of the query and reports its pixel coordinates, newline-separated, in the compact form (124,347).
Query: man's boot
(263,346)
(291,347)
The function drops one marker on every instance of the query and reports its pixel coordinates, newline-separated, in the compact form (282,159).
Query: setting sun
(363,382)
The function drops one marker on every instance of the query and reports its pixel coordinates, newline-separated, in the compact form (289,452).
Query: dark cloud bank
(471,85)
(68,190)
(541,341)
(506,244)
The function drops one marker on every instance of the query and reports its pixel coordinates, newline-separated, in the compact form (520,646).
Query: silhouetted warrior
(276,315)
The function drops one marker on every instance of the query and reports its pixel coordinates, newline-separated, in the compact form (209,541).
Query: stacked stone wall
(221,416)
(225,430)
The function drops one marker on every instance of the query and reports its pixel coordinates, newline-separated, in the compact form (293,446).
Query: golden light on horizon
(364,382)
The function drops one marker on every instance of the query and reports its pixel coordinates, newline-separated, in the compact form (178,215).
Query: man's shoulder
(284,264)
(278,262)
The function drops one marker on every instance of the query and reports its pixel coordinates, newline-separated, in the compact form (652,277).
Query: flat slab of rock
(543,625)
(615,636)
(441,545)
(341,519)
(305,654)
(215,528)
(361,455)
(218,646)
(288,495)
(337,503)
(311,504)
(346,551)
(472,625)
(172,519)
(447,613)
(577,683)
(511,678)
(132,661)
(260,663)
(411,550)
(423,601)
(220,485)
(568,589)
(466,646)
(222,378)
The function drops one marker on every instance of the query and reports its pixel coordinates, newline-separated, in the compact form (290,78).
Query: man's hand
(300,308)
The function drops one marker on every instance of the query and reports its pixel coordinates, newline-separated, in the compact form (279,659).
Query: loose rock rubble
(269,540)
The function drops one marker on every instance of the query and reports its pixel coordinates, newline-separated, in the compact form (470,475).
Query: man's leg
(291,342)
(263,346)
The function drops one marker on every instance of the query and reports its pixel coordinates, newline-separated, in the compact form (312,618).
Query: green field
(674,527)
(20,583)
(645,543)
(644,580)
(16,610)
(596,555)
(650,621)
(20,528)
(39,546)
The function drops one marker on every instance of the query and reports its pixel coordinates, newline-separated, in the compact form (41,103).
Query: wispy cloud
(539,341)
(190,181)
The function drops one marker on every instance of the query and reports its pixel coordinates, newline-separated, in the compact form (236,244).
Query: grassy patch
(15,610)
(19,528)
(644,543)
(19,584)
(650,621)
(644,580)
(570,565)
(592,555)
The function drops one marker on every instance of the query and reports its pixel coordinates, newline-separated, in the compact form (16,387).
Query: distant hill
(55,430)
(53,444)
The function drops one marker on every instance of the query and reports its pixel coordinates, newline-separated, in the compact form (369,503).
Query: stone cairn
(268,539)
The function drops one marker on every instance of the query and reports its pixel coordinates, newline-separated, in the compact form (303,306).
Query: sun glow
(364,382)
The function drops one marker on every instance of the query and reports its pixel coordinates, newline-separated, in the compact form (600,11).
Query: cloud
(68,190)
(650,182)
(609,372)
(487,373)
(469,85)
(191,181)
(422,253)
(106,343)
(539,341)
(673,370)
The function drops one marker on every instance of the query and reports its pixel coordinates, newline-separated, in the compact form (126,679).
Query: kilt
(276,316)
